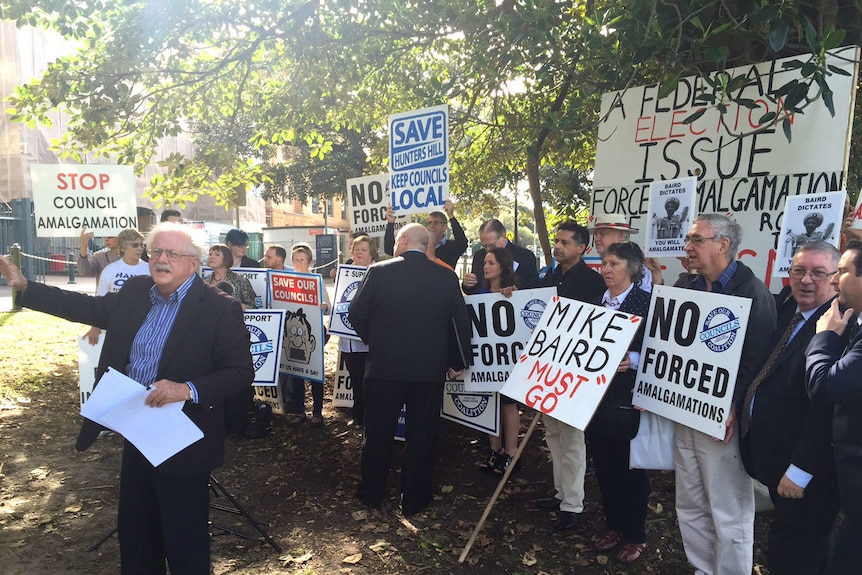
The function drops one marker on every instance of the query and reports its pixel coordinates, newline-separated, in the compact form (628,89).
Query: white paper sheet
(118,404)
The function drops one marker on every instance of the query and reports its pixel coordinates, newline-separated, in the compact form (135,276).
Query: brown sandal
(631,552)
(296,419)
(608,541)
(316,420)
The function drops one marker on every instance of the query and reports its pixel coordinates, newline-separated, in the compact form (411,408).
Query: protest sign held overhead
(347,281)
(68,198)
(679,135)
(299,295)
(501,326)
(419,160)
(671,209)
(570,359)
(369,197)
(690,356)
(809,219)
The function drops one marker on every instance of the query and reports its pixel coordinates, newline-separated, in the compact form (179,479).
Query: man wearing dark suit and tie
(834,376)
(188,343)
(492,233)
(786,439)
(404,311)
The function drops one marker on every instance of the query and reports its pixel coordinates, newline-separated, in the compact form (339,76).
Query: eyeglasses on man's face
(698,240)
(172,255)
(135,245)
(817,275)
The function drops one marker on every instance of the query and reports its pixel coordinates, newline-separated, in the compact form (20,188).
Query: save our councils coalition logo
(342,307)
(261,346)
(532,312)
(719,329)
(469,404)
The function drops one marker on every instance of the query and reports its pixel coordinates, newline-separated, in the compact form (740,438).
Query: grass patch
(36,350)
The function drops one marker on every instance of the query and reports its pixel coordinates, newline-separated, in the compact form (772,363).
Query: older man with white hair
(186,342)
(411,314)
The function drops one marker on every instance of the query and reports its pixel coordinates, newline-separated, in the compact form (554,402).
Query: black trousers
(162,519)
(625,491)
(800,537)
(355,362)
(384,399)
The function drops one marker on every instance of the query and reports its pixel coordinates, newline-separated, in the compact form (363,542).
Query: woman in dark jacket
(624,491)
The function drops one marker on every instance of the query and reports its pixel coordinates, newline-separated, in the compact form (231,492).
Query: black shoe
(567,520)
(492,461)
(503,464)
(547,503)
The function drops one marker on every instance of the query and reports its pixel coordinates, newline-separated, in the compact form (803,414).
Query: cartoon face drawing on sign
(298,337)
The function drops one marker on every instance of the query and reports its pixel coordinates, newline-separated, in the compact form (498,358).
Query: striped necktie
(765,370)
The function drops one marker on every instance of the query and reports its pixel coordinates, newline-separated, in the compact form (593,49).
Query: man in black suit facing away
(492,233)
(187,342)
(786,439)
(832,375)
(405,310)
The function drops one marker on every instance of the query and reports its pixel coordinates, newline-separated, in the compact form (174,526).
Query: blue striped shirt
(149,342)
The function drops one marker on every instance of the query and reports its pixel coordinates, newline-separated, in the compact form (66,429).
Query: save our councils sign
(419,160)
(751,177)
(70,197)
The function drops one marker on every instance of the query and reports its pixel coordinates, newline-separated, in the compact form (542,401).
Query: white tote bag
(652,447)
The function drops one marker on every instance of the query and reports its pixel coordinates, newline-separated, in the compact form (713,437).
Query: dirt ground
(298,483)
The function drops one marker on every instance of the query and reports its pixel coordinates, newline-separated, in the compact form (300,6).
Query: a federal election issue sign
(70,197)
(419,160)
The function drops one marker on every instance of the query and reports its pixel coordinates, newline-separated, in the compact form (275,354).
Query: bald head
(411,237)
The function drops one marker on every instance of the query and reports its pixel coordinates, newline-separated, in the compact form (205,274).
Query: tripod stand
(237,509)
(217,490)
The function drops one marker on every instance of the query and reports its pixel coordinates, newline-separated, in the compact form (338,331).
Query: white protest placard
(270,394)
(419,160)
(266,329)
(749,177)
(347,281)
(809,219)
(342,388)
(88,364)
(300,295)
(570,359)
(690,356)
(672,209)
(255,276)
(69,197)
(369,198)
(856,222)
(501,326)
(477,410)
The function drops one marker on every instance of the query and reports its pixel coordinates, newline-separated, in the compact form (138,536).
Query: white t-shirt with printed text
(115,275)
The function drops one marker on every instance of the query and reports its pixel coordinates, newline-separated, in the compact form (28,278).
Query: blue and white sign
(347,282)
(265,329)
(476,410)
(419,160)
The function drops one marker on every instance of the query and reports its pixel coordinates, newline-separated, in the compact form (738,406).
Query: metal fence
(40,256)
